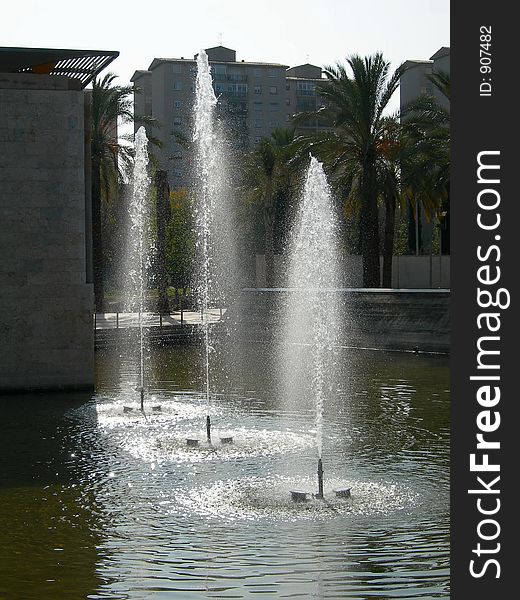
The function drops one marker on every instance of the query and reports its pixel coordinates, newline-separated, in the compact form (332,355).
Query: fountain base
(343,493)
(127,409)
(156,408)
(298,496)
(226,440)
(192,442)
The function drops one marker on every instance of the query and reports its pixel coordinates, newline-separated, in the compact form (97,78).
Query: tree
(426,129)
(180,240)
(110,159)
(162,214)
(354,148)
(393,153)
(270,175)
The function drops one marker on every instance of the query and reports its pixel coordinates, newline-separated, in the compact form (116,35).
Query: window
(305,88)
(288,102)
(258,89)
(288,118)
(177,104)
(257,106)
(257,140)
(306,103)
(272,72)
(273,106)
(177,85)
(219,72)
(273,90)
(258,124)
(237,89)
(257,72)
(273,124)
(236,74)
(177,121)
(287,86)
(176,68)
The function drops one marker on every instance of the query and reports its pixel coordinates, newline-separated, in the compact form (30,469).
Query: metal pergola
(82,65)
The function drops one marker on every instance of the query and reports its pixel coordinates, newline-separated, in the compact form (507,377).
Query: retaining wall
(382,319)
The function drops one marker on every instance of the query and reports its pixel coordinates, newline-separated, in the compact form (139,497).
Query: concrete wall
(396,320)
(45,302)
(408,272)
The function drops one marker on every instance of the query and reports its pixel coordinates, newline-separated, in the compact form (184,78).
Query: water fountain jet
(313,313)
(139,250)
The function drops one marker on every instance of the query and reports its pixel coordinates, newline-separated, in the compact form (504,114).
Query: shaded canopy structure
(82,65)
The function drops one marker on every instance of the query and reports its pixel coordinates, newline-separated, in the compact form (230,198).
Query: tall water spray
(138,253)
(312,311)
(214,219)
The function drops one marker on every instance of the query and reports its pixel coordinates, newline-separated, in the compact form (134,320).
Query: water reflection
(50,519)
(115,505)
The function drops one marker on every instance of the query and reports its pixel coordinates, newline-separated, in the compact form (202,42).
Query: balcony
(229,77)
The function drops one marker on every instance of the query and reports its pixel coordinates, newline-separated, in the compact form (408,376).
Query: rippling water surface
(99,502)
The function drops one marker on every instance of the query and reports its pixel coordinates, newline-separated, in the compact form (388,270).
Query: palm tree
(394,153)
(426,127)
(354,149)
(270,172)
(109,159)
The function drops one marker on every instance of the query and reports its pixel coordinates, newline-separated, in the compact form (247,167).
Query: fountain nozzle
(320,479)
(208,429)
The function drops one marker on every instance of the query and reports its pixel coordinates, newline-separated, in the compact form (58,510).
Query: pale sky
(290,32)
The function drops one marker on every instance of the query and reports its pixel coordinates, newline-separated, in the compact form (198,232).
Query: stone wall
(45,301)
(381,319)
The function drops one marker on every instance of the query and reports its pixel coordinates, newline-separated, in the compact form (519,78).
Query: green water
(98,503)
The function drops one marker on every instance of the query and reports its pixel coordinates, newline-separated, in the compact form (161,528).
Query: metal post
(117,320)
(95,320)
(208,428)
(160,320)
(320,479)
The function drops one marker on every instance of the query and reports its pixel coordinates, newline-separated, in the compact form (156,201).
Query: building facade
(46,303)
(414,81)
(254,99)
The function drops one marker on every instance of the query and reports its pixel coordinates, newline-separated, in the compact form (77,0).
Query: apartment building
(414,82)
(254,98)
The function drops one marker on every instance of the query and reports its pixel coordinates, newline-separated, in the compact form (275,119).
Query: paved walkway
(123,320)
